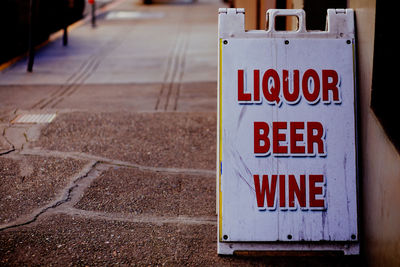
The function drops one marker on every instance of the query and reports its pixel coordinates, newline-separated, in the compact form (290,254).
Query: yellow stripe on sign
(220,141)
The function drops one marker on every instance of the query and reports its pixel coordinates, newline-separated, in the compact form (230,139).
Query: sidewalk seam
(84,156)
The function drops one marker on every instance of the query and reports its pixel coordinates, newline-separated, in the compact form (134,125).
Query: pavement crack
(71,194)
(12,146)
(7,152)
(36,216)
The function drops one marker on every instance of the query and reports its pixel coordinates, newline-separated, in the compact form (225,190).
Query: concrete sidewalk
(125,173)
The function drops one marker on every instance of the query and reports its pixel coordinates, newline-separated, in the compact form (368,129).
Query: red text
(289,192)
(295,138)
(290,86)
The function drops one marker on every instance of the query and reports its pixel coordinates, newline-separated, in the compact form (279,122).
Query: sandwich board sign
(287,151)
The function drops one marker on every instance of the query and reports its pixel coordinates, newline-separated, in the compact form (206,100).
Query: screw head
(225,42)
(225,237)
(286,42)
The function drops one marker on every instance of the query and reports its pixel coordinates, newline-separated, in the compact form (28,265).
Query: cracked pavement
(125,173)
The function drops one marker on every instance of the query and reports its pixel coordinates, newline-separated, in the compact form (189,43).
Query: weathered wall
(379,160)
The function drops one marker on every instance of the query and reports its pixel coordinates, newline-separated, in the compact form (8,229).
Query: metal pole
(65,24)
(65,36)
(31,44)
(93,13)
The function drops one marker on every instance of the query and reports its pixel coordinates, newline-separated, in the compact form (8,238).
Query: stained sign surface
(287,135)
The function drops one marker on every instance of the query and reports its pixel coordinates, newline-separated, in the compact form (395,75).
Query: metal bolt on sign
(287,161)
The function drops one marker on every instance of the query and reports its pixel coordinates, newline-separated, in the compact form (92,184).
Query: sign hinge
(231,11)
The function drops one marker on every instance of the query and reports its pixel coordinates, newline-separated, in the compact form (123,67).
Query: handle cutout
(286,20)
(286,23)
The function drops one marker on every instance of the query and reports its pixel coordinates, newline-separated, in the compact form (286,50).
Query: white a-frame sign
(287,151)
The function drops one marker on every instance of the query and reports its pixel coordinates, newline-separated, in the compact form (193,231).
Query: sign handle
(273,13)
